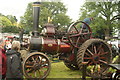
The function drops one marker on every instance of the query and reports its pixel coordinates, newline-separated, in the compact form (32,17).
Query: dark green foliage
(10,29)
(105,16)
(13,19)
(55,10)
(8,24)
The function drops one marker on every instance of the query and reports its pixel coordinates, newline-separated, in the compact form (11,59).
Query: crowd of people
(10,61)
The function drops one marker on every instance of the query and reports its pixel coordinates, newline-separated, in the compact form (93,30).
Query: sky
(18,7)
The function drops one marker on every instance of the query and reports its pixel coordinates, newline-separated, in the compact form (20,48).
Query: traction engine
(75,47)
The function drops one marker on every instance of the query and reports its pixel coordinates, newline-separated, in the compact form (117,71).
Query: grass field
(59,70)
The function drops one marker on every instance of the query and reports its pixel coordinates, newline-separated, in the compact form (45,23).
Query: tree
(26,21)
(13,19)
(10,29)
(8,24)
(104,14)
(4,21)
(61,19)
(54,10)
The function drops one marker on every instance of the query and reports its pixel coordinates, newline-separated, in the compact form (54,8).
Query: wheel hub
(36,66)
(95,59)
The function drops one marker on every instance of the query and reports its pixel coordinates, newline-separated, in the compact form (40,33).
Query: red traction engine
(75,47)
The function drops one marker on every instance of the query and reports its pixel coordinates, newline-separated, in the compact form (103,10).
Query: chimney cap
(36,4)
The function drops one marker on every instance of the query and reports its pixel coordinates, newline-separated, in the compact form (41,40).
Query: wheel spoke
(99,68)
(31,70)
(94,68)
(90,62)
(104,62)
(33,58)
(28,66)
(100,51)
(77,40)
(45,66)
(92,47)
(99,48)
(87,57)
(40,60)
(102,70)
(102,58)
(35,74)
(29,63)
(74,35)
(81,30)
(36,58)
(103,53)
(95,50)
(42,69)
(89,51)
(39,73)
(86,53)
(76,28)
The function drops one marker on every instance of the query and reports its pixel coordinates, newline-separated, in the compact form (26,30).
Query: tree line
(106,17)
(8,24)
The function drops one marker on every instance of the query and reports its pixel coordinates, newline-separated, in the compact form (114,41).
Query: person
(88,22)
(14,66)
(3,65)
(7,46)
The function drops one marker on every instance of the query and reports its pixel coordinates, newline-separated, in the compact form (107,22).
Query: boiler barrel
(49,45)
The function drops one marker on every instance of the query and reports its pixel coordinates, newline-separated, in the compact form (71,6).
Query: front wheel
(36,65)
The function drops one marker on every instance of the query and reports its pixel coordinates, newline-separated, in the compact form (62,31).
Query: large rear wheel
(94,53)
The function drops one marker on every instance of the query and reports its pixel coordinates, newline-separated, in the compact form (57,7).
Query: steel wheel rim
(36,66)
(96,56)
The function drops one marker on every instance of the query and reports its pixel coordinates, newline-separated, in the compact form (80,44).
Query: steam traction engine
(75,47)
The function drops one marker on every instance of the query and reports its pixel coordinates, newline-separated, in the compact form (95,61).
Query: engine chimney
(36,12)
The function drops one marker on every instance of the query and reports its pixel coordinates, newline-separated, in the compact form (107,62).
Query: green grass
(59,70)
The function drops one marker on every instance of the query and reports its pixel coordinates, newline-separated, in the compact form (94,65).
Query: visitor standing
(14,66)
(3,66)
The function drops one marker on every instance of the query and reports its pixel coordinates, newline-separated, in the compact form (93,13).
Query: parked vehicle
(75,47)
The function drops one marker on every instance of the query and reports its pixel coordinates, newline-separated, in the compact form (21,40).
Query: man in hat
(88,22)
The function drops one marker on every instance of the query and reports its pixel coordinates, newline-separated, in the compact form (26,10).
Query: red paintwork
(49,45)
(64,47)
(55,46)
